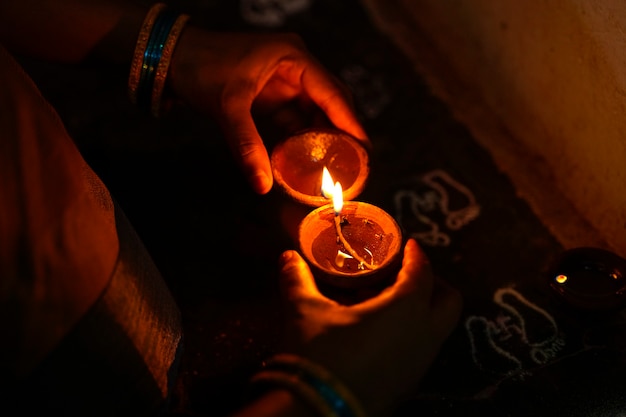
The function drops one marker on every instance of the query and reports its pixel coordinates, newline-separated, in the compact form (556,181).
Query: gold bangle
(140,49)
(164,63)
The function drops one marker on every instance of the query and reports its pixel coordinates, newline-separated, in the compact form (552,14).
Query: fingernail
(260,182)
(286,257)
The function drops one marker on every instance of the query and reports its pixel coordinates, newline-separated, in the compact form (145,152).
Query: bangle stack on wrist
(159,33)
(311,383)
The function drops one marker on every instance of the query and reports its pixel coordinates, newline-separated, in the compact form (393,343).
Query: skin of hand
(382,347)
(229,76)
(238,77)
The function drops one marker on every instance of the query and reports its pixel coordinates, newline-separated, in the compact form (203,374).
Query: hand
(237,77)
(382,347)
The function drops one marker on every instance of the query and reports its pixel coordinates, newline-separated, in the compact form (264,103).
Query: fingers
(414,277)
(416,281)
(248,148)
(254,161)
(416,273)
(334,99)
(279,72)
(296,278)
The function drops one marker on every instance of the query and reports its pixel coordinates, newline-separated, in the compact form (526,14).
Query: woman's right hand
(231,76)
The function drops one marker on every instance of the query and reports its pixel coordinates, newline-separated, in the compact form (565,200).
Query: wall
(542,85)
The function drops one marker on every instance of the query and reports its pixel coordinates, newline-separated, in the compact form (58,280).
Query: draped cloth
(87,323)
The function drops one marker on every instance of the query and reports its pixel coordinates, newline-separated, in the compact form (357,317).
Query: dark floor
(516,352)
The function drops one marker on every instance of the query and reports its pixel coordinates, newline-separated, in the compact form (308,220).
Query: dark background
(518,351)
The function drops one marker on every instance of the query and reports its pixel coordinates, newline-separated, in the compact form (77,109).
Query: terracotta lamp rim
(320,219)
(298,160)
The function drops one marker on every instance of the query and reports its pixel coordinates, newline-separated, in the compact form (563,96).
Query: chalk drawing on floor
(520,337)
(428,215)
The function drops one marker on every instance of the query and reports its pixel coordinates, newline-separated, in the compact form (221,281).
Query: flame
(332,191)
(337,198)
(327,184)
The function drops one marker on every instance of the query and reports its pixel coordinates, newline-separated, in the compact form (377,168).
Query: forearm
(71,30)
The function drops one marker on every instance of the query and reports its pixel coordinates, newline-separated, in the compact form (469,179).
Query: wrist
(311,383)
(277,402)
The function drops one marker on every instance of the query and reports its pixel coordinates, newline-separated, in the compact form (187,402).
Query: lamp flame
(327,184)
(332,191)
(337,198)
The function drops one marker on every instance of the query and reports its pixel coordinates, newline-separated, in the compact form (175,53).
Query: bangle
(164,62)
(312,383)
(294,384)
(140,49)
(157,38)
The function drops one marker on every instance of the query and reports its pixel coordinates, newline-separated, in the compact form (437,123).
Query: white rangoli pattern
(423,206)
(507,344)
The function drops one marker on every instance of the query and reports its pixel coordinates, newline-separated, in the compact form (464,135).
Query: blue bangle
(152,55)
(332,397)
(157,39)
(311,382)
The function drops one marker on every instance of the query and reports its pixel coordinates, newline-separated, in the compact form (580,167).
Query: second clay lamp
(297,164)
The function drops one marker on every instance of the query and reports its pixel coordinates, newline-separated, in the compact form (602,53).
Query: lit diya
(352,244)
(590,279)
(297,164)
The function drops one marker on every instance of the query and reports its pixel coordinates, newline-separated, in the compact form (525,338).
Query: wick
(346,245)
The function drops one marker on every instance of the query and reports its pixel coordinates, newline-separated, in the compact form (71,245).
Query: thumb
(296,278)
(248,148)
